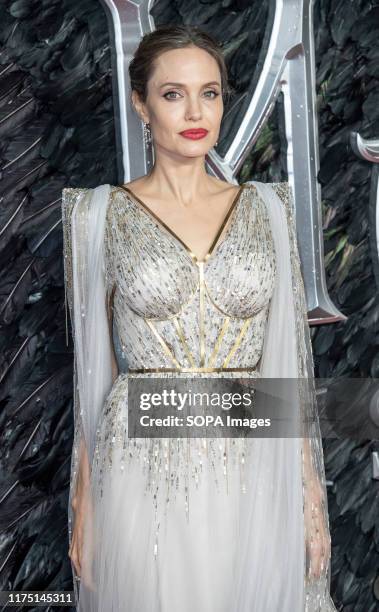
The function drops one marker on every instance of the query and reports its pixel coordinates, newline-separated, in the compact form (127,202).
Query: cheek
(166,118)
(213,113)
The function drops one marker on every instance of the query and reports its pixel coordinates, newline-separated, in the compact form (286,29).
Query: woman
(203,280)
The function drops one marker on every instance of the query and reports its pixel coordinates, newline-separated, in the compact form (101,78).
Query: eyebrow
(171,83)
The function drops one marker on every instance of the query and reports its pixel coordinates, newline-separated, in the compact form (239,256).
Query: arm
(313,475)
(80,465)
(109,305)
(80,468)
(83,474)
(77,202)
(84,219)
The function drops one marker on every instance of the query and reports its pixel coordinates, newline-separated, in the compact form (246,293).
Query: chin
(199,153)
(198,147)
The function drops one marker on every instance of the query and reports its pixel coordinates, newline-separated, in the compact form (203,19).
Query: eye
(172,95)
(211,91)
(167,95)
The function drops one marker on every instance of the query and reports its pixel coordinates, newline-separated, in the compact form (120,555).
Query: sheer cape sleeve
(287,353)
(85,275)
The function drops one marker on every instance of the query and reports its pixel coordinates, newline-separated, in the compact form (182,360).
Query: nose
(193,109)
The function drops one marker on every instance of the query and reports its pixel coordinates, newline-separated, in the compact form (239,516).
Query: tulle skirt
(193,525)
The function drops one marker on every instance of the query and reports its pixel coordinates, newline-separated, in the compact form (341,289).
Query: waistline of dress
(200,370)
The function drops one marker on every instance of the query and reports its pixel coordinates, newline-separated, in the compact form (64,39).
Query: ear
(140,107)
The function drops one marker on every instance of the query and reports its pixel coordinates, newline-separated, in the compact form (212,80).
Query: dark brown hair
(165,38)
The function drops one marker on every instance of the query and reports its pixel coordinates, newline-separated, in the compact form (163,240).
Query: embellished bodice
(176,312)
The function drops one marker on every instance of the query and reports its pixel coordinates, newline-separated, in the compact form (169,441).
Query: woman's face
(183,93)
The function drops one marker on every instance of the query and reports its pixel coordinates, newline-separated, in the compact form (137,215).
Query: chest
(155,274)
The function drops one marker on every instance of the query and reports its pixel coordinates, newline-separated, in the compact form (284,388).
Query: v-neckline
(215,242)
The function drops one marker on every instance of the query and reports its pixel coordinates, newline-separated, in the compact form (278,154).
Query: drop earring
(146,133)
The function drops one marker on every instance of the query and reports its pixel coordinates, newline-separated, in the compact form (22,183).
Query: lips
(194,134)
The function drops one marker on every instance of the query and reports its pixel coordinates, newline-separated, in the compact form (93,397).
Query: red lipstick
(194,134)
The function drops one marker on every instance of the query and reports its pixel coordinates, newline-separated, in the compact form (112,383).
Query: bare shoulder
(222,188)
(138,182)
(137,185)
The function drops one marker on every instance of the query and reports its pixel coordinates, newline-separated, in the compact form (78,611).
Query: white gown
(196,524)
